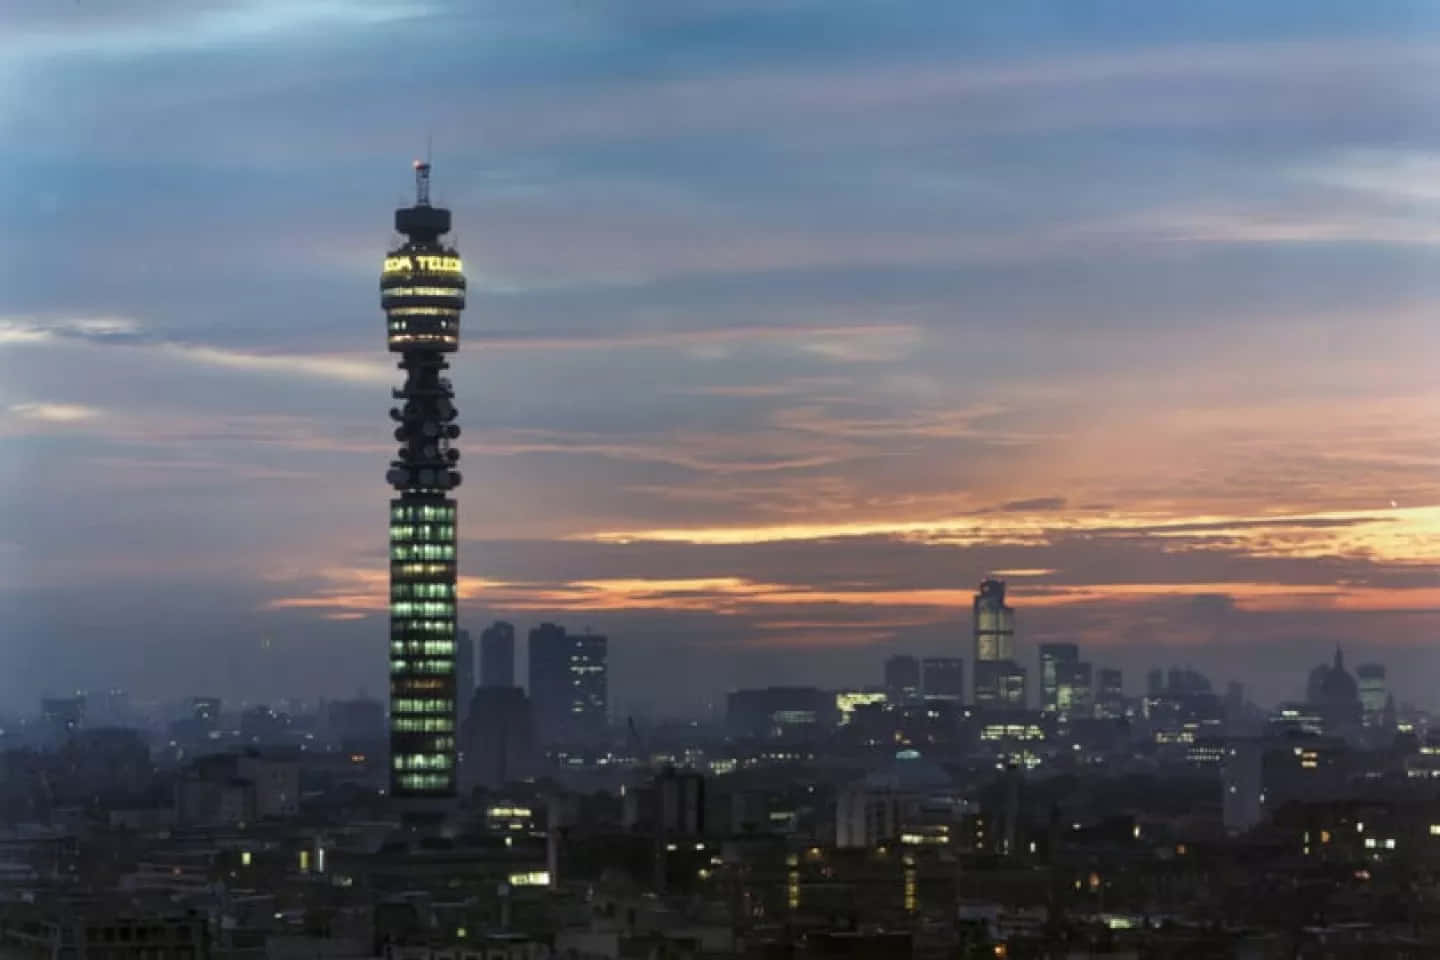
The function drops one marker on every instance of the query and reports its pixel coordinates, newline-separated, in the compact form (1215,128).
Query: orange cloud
(360,592)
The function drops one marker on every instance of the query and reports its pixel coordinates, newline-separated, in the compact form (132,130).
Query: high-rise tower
(568,684)
(422,290)
(999,680)
(497,655)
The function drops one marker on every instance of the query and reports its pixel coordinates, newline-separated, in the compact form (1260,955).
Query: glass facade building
(1371,681)
(999,680)
(994,623)
(943,678)
(422,290)
(1053,658)
(568,684)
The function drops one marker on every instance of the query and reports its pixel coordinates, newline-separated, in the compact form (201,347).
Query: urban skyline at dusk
(779,339)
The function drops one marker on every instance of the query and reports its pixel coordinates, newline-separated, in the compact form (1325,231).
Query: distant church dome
(1339,686)
(1335,694)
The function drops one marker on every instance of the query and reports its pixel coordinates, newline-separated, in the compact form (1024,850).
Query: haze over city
(786,324)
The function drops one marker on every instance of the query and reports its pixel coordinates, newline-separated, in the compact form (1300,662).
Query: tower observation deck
(422,291)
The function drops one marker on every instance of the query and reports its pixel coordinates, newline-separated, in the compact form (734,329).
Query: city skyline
(782,345)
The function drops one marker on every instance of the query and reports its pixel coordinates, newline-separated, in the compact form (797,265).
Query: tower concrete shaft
(422,290)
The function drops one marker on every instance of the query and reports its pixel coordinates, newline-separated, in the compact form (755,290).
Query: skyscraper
(944,678)
(994,623)
(497,655)
(1110,701)
(568,684)
(902,678)
(422,290)
(1371,678)
(1075,689)
(999,680)
(464,675)
(1052,655)
(499,738)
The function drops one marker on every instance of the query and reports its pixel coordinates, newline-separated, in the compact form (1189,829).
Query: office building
(1110,700)
(1074,689)
(51,929)
(1371,679)
(943,678)
(847,702)
(902,678)
(568,684)
(422,290)
(261,725)
(1052,656)
(780,712)
(497,655)
(1000,685)
(994,623)
(672,804)
(1242,786)
(227,788)
(999,680)
(498,739)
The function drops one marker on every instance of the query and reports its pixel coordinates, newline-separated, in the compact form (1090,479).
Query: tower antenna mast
(422,183)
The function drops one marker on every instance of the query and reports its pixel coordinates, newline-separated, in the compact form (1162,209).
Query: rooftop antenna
(422,183)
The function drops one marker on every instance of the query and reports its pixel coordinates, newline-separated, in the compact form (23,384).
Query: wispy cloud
(1396,535)
(53,412)
(41,30)
(343,368)
(121,332)
(739,333)
(359,592)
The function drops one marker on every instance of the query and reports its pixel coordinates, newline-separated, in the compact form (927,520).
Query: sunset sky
(788,322)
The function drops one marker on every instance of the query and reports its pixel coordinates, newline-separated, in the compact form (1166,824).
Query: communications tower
(422,290)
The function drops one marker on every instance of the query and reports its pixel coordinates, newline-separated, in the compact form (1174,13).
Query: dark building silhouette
(498,739)
(568,684)
(422,290)
(902,678)
(943,678)
(1110,695)
(1334,695)
(1186,680)
(464,673)
(780,712)
(671,804)
(497,655)
(201,726)
(54,929)
(356,725)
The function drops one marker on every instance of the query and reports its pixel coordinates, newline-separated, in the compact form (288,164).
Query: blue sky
(775,307)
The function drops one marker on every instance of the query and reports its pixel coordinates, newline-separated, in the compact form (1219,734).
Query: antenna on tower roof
(422,183)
